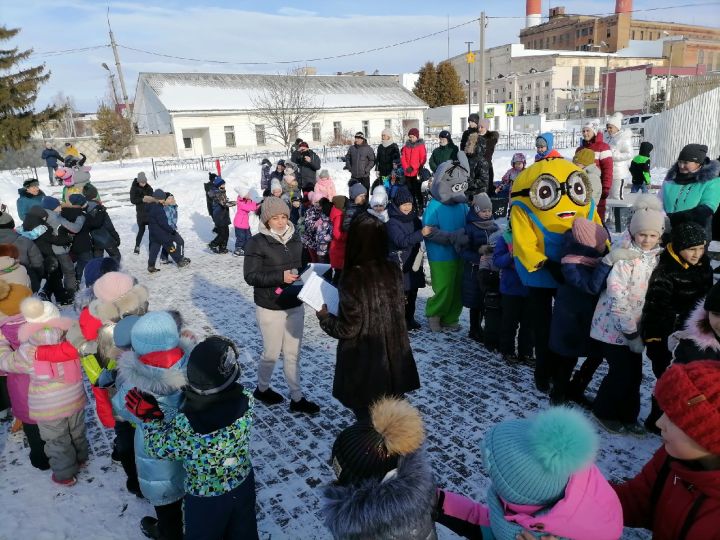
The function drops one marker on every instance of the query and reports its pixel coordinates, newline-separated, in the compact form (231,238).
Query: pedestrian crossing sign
(509,108)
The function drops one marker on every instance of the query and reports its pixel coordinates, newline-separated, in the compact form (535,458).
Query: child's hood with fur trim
(159,381)
(133,302)
(29,329)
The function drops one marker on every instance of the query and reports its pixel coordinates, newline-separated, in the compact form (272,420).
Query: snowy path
(465,390)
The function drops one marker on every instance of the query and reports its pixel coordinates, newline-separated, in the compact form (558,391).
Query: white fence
(695,121)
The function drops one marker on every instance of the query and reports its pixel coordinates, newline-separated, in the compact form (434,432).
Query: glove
(620,254)
(487,249)
(659,355)
(61,352)
(636,345)
(408,170)
(555,270)
(143,405)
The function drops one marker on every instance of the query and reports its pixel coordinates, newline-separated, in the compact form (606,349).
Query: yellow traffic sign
(470,57)
(489,112)
(509,108)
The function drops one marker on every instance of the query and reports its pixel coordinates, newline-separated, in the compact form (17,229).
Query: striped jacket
(49,399)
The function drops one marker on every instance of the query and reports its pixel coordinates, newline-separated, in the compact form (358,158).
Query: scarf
(284,236)
(580,259)
(387,143)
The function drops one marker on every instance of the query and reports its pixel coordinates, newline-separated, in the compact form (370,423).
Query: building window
(316,131)
(388,123)
(609,33)
(545,110)
(187,143)
(589,76)
(642,34)
(547,84)
(576,76)
(230,136)
(554,39)
(463,123)
(632,34)
(527,98)
(577,33)
(366,128)
(337,131)
(260,134)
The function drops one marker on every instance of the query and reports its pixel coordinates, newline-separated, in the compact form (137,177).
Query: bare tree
(66,123)
(286,106)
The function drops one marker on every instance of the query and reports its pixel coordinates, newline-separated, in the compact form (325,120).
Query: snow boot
(304,406)
(183,263)
(66,482)
(152,269)
(149,527)
(239,252)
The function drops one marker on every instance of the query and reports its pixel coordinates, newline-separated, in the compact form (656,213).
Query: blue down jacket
(404,232)
(510,282)
(576,300)
(161,481)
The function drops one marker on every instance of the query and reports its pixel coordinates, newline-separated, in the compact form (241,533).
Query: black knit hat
(444,134)
(402,196)
(213,366)
(474,117)
(686,235)
(31,182)
(712,300)
(90,192)
(694,152)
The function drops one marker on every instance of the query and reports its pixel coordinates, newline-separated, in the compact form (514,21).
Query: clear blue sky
(266,31)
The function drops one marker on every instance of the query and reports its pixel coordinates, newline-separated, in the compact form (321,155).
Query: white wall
(630,90)
(244,126)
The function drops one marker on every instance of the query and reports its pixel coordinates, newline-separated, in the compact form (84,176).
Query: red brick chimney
(623,6)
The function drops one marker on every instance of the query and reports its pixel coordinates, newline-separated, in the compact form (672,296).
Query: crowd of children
(547,286)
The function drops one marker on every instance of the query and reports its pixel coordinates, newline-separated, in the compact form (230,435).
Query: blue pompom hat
(530,461)
(155,331)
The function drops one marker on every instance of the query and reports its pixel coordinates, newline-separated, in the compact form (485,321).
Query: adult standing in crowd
(51,157)
(273,258)
(474,145)
(413,157)
(29,254)
(30,195)
(360,160)
(620,142)
(139,189)
(593,140)
(491,139)
(691,190)
(447,151)
(308,163)
(374,358)
(387,154)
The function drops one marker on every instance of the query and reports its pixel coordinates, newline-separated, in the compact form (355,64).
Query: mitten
(143,405)
(61,352)
(408,170)
(636,345)
(620,254)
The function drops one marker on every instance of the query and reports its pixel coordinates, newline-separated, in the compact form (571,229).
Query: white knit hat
(648,215)
(38,311)
(591,126)
(615,120)
(379,197)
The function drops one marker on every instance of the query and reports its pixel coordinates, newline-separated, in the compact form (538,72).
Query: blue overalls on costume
(553,250)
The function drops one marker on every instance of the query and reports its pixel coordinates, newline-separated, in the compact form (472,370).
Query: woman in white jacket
(620,141)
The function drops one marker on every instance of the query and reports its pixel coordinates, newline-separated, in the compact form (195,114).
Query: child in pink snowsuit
(543,481)
(245,205)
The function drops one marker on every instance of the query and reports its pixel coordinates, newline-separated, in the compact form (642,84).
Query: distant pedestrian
(360,160)
(447,150)
(308,163)
(593,139)
(139,189)
(387,153)
(244,206)
(640,169)
(51,157)
(413,157)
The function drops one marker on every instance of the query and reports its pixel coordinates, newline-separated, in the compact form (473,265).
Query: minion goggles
(546,191)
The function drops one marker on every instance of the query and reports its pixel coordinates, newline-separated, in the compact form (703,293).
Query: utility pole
(469,55)
(481,69)
(448,36)
(118,67)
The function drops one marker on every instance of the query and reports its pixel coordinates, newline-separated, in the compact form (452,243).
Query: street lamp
(112,82)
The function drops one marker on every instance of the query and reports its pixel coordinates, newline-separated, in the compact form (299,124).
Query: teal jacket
(693,197)
(448,219)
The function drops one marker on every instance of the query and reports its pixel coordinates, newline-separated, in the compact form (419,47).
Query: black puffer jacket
(674,289)
(306,169)
(266,259)
(137,192)
(386,155)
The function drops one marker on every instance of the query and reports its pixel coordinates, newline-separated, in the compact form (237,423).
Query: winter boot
(149,527)
(184,262)
(304,406)
(239,252)
(152,269)
(268,397)
(476,331)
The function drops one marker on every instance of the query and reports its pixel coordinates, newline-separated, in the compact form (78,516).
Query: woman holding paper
(374,358)
(272,260)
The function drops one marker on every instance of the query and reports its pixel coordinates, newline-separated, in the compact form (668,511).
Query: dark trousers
(170,520)
(38,459)
(54,286)
(492,311)
(414,184)
(222,236)
(140,234)
(410,300)
(516,313)
(81,260)
(540,303)
(124,446)
(582,377)
(227,516)
(563,367)
(113,252)
(176,255)
(241,238)
(35,275)
(618,397)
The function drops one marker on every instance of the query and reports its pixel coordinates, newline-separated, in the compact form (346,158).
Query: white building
(213,113)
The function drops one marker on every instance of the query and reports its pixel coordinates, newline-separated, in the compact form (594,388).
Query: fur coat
(397,508)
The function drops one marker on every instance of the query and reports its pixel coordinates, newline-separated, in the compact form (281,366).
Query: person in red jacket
(339,237)
(413,157)
(677,493)
(593,139)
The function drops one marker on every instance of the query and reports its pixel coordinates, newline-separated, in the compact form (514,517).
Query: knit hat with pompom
(112,286)
(530,461)
(648,215)
(371,449)
(11,295)
(590,234)
(38,311)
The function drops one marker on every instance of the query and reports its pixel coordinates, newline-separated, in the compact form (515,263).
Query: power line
(305,60)
(68,51)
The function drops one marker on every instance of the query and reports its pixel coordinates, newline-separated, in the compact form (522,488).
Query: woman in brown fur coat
(374,358)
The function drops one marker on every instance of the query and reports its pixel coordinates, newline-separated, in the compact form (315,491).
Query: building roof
(185,92)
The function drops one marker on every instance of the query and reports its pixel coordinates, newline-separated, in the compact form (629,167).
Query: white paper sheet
(314,268)
(317,292)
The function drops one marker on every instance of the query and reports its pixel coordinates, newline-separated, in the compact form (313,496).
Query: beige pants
(281,331)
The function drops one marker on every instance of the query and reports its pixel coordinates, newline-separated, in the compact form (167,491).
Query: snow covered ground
(465,390)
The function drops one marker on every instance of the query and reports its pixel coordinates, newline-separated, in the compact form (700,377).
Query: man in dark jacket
(447,151)
(162,235)
(308,164)
(51,157)
(208,199)
(139,189)
(360,160)
(30,256)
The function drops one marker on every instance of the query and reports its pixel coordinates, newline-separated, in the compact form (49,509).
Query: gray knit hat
(271,207)
(481,201)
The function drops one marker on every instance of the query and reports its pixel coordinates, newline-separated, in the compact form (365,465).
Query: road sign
(489,112)
(509,108)
(470,57)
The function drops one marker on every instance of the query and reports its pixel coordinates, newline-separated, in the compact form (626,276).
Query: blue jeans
(642,187)
(241,238)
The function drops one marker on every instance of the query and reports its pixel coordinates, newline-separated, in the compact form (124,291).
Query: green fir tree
(426,85)
(448,89)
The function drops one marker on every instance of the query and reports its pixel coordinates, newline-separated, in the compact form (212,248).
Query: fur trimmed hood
(698,330)
(133,302)
(399,507)
(158,381)
(28,329)
(709,171)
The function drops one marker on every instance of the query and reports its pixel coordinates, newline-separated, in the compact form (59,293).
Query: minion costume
(546,199)
(446,213)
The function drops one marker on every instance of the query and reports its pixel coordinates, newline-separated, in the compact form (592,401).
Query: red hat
(414,131)
(303,145)
(689,394)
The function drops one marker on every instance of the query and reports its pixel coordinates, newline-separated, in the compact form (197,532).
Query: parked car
(636,122)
